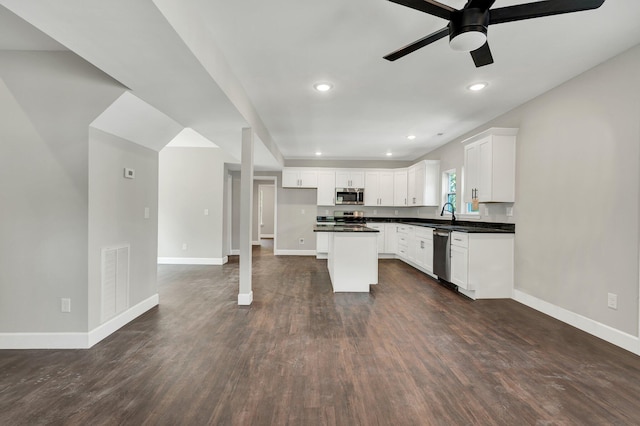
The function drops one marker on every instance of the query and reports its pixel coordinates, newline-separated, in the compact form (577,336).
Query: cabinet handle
(421,244)
(405,201)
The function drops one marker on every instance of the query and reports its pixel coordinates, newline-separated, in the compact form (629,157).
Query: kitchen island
(352,257)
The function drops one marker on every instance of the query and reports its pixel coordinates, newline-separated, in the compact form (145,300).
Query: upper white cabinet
(490,166)
(378,188)
(326,188)
(299,178)
(400,183)
(349,179)
(423,183)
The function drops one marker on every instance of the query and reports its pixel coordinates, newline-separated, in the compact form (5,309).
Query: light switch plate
(65,305)
(612,300)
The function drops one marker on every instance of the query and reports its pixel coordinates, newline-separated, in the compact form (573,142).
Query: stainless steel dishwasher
(442,254)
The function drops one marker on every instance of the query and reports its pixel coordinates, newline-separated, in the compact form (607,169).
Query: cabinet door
(471,170)
(460,266)
(290,179)
(485,169)
(411,244)
(432,187)
(391,238)
(322,242)
(385,189)
(419,184)
(411,186)
(326,188)
(380,227)
(343,179)
(309,179)
(421,252)
(371,189)
(428,255)
(400,188)
(357,179)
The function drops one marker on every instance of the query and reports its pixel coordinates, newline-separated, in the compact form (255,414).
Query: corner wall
(117,215)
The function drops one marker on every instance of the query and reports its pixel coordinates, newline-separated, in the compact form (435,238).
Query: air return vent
(115,281)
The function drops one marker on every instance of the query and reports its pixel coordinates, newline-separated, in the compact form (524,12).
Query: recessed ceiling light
(411,137)
(323,87)
(389,154)
(318,153)
(475,87)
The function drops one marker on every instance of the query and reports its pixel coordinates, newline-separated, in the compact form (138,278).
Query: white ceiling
(277,49)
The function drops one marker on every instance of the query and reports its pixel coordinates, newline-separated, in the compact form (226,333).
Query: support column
(245,294)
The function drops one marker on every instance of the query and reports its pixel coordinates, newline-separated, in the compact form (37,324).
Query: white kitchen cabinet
(460,266)
(299,178)
(423,183)
(405,240)
(349,179)
(391,238)
(400,183)
(322,245)
(424,248)
(378,188)
(326,188)
(490,166)
(381,235)
(482,264)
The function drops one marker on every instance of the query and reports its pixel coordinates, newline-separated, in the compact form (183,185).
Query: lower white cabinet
(423,242)
(482,264)
(391,238)
(460,266)
(322,244)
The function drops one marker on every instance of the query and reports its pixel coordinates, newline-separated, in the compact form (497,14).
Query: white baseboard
(114,324)
(604,332)
(295,252)
(193,260)
(322,255)
(245,299)
(76,340)
(235,252)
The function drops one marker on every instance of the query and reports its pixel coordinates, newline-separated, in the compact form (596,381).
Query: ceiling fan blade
(482,56)
(539,9)
(480,4)
(431,7)
(417,44)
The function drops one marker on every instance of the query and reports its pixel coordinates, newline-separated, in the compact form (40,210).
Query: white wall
(577,192)
(191,180)
(116,214)
(47,100)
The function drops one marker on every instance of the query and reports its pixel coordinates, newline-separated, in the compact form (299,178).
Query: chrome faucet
(453,211)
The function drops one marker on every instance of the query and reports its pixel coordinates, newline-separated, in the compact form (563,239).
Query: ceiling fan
(467,28)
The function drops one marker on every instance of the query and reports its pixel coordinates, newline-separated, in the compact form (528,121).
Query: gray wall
(116,214)
(577,192)
(47,101)
(191,180)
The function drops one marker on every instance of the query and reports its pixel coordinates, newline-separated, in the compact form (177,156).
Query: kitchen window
(449,186)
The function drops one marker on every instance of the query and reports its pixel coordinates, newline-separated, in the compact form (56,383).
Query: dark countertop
(343,228)
(471,227)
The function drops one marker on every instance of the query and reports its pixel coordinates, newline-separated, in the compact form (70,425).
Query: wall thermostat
(129,173)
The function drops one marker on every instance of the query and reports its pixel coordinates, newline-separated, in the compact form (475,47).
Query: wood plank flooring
(410,353)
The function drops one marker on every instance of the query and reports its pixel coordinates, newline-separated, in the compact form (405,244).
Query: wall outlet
(302,211)
(129,173)
(184,246)
(65,305)
(509,211)
(396,212)
(301,241)
(612,300)
(206,212)
(375,212)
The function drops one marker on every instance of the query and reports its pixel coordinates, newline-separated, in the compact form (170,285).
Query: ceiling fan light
(468,41)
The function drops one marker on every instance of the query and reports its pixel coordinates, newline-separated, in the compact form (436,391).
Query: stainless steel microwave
(350,196)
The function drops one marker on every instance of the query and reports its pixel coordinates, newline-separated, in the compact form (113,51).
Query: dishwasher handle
(441,233)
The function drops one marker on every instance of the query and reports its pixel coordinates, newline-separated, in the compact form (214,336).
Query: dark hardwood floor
(410,353)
